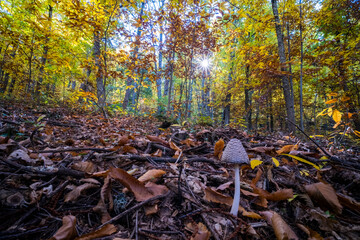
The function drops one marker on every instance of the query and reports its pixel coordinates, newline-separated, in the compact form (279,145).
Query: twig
(324,151)
(75,150)
(137,206)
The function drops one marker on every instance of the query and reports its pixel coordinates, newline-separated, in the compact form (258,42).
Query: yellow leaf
(255,163)
(322,112)
(275,161)
(357,133)
(302,160)
(333,94)
(334,100)
(330,112)
(336,116)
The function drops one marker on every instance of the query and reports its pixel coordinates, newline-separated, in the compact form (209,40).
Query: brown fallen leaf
(75,193)
(106,230)
(349,202)
(249,214)
(129,149)
(281,228)
(123,140)
(200,231)
(101,209)
(174,147)
(312,235)
(282,194)
(151,175)
(157,140)
(325,196)
(214,196)
(138,188)
(87,167)
(67,231)
(218,148)
(287,149)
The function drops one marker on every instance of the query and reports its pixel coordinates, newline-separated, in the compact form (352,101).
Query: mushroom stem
(236,202)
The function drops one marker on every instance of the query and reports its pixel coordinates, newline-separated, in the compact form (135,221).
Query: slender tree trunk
(44,56)
(226,111)
(171,81)
(290,111)
(248,99)
(159,74)
(301,72)
(100,71)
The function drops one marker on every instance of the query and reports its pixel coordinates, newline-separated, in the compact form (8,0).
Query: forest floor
(67,175)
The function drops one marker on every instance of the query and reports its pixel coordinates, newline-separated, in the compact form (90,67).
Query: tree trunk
(226,112)
(301,72)
(289,103)
(99,75)
(248,99)
(44,56)
(171,81)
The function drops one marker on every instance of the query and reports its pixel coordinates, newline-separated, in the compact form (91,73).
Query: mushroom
(235,153)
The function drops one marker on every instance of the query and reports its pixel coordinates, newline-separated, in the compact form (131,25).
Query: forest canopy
(249,63)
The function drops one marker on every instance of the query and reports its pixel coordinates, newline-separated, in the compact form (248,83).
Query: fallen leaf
(302,160)
(282,194)
(200,231)
(129,149)
(101,209)
(123,140)
(87,167)
(174,147)
(255,162)
(325,196)
(157,140)
(106,230)
(224,185)
(281,228)
(275,161)
(287,149)
(151,175)
(214,196)
(262,149)
(67,231)
(249,214)
(218,148)
(75,193)
(312,235)
(141,192)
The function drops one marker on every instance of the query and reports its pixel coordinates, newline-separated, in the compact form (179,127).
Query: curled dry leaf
(312,235)
(218,148)
(325,196)
(123,140)
(174,147)
(282,194)
(200,231)
(214,196)
(129,149)
(67,231)
(157,140)
(76,192)
(151,175)
(87,167)
(105,193)
(281,228)
(140,191)
(101,209)
(287,149)
(249,214)
(106,230)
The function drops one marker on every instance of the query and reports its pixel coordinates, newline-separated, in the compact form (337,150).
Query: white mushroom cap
(235,153)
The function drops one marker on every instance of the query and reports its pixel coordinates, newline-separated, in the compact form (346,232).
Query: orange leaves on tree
(325,196)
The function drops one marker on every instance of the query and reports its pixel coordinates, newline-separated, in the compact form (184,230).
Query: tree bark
(248,98)
(289,103)
(301,72)
(99,75)
(44,56)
